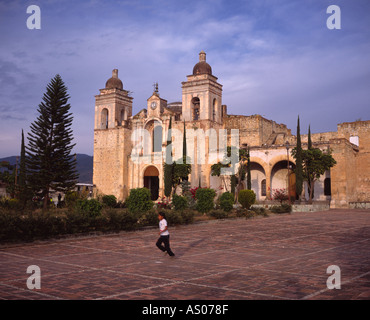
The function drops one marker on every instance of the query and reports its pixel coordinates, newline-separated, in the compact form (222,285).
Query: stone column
(268,184)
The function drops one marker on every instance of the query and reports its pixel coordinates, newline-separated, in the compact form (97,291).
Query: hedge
(61,222)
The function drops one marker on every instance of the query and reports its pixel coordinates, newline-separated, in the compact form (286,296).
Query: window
(263,188)
(214,108)
(196,108)
(123,116)
(104,118)
(327,187)
(157,138)
(354,140)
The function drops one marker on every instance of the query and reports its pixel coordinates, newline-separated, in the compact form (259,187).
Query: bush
(179,202)
(218,214)
(187,216)
(246,198)
(280,195)
(284,208)
(205,199)
(226,201)
(139,200)
(121,219)
(259,211)
(110,201)
(164,203)
(90,207)
(71,198)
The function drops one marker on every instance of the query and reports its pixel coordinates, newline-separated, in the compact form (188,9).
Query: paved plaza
(276,257)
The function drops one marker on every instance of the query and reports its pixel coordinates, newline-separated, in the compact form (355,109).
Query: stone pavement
(277,257)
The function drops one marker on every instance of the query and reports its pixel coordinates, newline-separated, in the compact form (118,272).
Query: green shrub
(110,201)
(71,198)
(283,208)
(187,216)
(122,219)
(246,198)
(259,211)
(139,200)
(151,218)
(205,199)
(179,202)
(218,214)
(226,201)
(173,217)
(240,212)
(91,207)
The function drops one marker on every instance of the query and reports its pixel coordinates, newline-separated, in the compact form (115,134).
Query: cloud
(274,58)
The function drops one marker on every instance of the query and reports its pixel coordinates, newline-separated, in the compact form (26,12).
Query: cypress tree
(299,168)
(184,150)
(309,138)
(50,164)
(168,165)
(22,173)
(249,179)
(184,156)
(309,147)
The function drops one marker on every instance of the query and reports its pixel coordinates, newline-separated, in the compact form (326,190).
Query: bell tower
(112,139)
(113,106)
(202,94)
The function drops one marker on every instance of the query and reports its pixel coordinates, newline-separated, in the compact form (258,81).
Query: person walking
(164,235)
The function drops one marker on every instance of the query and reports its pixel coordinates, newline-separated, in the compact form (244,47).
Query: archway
(154,127)
(258,180)
(279,177)
(215,110)
(196,108)
(104,119)
(151,181)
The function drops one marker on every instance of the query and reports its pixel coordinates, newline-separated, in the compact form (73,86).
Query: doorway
(151,181)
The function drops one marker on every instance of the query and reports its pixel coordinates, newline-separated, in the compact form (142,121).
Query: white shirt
(162,225)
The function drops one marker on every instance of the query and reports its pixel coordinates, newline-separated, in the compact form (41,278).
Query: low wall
(298,207)
(359,205)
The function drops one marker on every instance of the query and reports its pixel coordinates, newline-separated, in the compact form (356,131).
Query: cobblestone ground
(277,257)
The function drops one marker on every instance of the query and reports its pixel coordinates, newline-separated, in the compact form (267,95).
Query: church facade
(129,150)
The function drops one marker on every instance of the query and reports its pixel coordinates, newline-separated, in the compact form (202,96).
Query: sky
(276,58)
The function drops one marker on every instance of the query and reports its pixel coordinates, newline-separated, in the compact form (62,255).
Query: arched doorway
(258,180)
(151,181)
(279,177)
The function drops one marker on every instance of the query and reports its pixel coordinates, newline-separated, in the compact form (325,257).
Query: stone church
(117,169)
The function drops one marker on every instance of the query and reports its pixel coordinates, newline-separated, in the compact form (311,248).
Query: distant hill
(84,166)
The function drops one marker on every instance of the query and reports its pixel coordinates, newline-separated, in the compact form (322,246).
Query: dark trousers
(166,241)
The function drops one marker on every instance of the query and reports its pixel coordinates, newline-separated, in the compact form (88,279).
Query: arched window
(327,187)
(104,118)
(157,138)
(263,188)
(196,108)
(122,116)
(214,107)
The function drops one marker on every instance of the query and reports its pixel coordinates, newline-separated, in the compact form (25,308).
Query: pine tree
(50,165)
(299,169)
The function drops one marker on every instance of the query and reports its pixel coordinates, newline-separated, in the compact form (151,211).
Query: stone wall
(256,131)
(111,150)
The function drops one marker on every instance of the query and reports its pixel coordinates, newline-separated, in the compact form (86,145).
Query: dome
(114,82)
(202,67)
